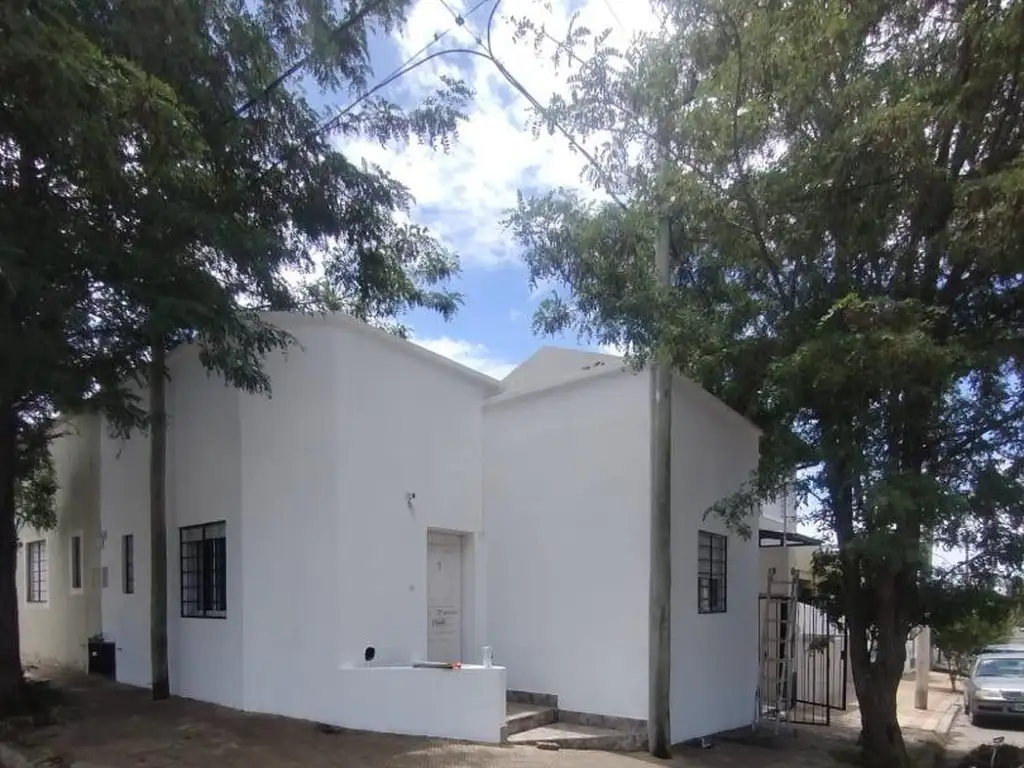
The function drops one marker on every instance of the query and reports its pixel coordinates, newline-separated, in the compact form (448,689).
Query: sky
(461,195)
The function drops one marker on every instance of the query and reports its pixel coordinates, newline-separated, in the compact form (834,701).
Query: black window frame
(37,591)
(712,572)
(128,564)
(76,563)
(203,561)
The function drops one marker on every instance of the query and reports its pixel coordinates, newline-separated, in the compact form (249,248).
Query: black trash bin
(102,659)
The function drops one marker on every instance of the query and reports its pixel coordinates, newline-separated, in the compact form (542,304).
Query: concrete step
(525,717)
(558,735)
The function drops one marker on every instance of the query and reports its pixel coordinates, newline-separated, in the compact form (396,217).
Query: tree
(207,210)
(964,638)
(67,110)
(270,193)
(845,197)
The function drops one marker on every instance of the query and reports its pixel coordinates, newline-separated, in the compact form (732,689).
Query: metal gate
(818,670)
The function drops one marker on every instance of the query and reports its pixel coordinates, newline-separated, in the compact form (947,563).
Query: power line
(487,52)
(408,65)
(411,63)
(608,5)
(341,29)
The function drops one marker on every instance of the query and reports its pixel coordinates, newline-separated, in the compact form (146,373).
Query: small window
(128,564)
(37,570)
(203,572)
(76,562)
(711,572)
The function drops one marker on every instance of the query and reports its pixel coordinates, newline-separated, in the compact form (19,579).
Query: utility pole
(659,655)
(923,654)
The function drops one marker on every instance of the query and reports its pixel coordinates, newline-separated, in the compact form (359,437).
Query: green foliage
(845,186)
(965,620)
(160,183)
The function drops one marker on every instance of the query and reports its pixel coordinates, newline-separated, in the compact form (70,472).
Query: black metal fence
(818,680)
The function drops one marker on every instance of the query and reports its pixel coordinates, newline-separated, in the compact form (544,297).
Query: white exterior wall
(566,500)
(124,509)
(203,486)
(714,656)
(334,555)
(58,629)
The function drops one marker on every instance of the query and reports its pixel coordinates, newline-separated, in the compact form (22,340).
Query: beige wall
(57,630)
(783,560)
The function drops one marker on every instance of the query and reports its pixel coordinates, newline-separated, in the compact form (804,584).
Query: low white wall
(466,704)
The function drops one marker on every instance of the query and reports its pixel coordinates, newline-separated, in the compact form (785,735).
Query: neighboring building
(58,571)
(386,502)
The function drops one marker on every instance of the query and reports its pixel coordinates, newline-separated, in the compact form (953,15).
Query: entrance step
(559,735)
(526,717)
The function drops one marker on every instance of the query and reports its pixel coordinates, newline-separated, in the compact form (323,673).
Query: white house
(387,506)
(567,470)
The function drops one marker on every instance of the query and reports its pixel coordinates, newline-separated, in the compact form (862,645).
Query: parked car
(1003,648)
(996,687)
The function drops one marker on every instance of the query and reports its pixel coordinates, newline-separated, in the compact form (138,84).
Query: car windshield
(1000,667)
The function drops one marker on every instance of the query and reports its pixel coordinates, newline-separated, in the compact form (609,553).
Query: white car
(996,687)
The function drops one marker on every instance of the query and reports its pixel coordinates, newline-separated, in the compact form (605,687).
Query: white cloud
(469,188)
(468,353)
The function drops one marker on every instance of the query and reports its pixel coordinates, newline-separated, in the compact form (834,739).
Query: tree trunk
(11,678)
(881,738)
(876,681)
(158,522)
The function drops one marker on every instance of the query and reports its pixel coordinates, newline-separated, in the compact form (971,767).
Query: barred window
(203,572)
(711,572)
(128,564)
(37,571)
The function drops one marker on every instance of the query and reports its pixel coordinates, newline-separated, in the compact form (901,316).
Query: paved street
(964,736)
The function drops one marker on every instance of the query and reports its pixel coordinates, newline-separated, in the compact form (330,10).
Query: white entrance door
(444,597)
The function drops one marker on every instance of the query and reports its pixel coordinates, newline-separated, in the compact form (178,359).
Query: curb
(945,724)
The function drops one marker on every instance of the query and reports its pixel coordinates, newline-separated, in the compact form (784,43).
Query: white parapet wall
(466,703)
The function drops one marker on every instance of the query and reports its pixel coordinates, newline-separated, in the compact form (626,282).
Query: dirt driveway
(106,725)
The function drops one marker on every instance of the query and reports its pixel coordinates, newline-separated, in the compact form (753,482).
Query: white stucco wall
(714,656)
(325,556)
(334,556)
(58,630)
(566,500)
(203,486)
(124,509)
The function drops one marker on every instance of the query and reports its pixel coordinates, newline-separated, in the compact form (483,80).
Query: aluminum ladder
(774,695)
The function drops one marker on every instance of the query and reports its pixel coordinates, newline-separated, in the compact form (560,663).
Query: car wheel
(975,719)
(967,706)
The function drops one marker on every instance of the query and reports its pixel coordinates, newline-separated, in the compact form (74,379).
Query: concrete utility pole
(659,656)
(923,654)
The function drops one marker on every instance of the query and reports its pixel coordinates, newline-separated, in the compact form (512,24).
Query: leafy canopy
(846,191)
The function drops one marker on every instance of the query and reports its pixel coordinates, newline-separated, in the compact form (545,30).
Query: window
(37,569)
(76,562)
(203,587)
(128,564)
(711,571)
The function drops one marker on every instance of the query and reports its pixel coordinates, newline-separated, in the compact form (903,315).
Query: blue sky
(461,195)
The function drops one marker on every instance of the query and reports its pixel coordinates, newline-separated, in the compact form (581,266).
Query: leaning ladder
(774,694)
